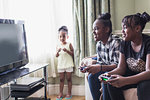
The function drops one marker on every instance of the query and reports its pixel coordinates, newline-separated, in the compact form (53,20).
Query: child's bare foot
(68,96)
(59,97)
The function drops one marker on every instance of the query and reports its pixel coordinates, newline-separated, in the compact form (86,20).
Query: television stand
(25,70)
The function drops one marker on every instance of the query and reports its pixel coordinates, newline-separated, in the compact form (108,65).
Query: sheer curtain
(42,20)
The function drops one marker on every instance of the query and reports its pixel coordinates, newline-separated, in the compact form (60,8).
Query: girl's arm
(95,68)
(120,70)
(71,50)
(57,51)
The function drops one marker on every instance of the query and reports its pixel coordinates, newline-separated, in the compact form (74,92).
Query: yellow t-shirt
(64,59)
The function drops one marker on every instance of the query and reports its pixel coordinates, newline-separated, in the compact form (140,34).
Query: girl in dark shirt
(134,64)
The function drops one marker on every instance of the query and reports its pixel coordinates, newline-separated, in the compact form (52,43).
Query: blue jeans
(95,86)
(106,95)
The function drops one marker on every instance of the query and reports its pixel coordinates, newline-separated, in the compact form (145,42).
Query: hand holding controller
(105,78)
(82,68)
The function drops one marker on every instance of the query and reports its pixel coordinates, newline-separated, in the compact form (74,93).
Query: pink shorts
(65,70)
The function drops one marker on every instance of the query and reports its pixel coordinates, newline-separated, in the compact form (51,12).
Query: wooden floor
(53,97)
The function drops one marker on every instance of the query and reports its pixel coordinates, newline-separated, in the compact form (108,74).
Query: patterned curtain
(84,14)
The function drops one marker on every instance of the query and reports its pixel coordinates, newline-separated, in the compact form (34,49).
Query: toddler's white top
(64,59)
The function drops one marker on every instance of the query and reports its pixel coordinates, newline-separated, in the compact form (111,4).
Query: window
(42,20)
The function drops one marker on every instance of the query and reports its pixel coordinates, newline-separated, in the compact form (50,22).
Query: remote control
(105,78)
(82,68)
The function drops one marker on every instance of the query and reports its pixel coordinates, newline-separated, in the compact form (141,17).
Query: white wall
(127,7)
(122,8)
(143,6)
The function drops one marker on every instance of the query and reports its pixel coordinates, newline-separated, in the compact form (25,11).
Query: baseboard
(76,89)
(53,89)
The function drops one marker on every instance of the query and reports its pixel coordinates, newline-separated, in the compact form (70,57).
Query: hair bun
(105,16)
(63,28)
(145,16)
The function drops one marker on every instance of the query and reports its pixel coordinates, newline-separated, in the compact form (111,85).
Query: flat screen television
(13,46)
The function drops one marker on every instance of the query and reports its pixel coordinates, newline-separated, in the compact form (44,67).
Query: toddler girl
(65,55)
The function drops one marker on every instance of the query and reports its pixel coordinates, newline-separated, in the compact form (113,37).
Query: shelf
(23,71)
(25,87)
(24,94)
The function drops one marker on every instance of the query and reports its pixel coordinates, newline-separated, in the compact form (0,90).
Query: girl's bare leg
(69,80)
(62,79)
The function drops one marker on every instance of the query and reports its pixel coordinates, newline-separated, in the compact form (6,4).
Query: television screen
(13,47)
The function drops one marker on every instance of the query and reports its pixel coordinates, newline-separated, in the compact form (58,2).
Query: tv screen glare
(13,46)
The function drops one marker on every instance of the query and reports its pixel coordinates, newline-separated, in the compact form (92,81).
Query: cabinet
(21,72)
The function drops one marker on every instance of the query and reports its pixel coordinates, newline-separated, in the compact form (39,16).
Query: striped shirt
(108,54)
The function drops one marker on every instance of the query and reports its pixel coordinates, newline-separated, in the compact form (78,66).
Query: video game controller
(105,78)
(82,68)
